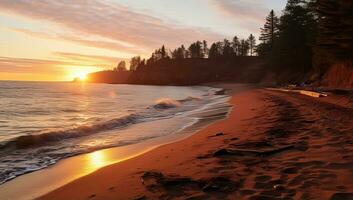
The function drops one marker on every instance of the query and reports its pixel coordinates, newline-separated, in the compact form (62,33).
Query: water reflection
(97,160)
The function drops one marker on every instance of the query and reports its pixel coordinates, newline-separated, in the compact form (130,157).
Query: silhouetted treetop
(269,33)
(252,44)
(121,67)
(135,62)
(196,50)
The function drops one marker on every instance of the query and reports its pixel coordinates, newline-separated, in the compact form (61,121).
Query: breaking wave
(166,103)
(86,130)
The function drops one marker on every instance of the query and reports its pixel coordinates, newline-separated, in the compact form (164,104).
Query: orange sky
(58,40)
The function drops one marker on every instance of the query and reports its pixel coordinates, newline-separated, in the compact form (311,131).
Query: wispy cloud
(248,14)
(79,57)
(25,65)
(82,59)
(93,42)
(64,60)
(107,20)
(47,70)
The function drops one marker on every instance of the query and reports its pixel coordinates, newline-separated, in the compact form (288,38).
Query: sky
(51,40)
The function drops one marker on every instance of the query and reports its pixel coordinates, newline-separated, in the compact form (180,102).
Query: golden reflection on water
(102,158)
(97,160)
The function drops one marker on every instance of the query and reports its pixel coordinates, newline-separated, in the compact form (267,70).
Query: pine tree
(244,48)
(269,33)
(205,48)
(336,27)
(163,52)
(134,63)
(293,50)
(216,50)
(252,44)
(335,34)
(121,66)
(236,45)
(179,53)
(185,52)
(227,50)
(196,50)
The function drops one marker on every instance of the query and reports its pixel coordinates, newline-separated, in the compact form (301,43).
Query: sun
(81,75)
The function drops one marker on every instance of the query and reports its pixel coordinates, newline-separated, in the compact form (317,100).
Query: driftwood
(303,92)
(250,152)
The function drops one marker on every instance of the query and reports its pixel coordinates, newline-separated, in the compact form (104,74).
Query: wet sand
(273,145)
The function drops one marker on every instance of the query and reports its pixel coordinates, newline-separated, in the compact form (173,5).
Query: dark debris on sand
(176,186)
(251,169)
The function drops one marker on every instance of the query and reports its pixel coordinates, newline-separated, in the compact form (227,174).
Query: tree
(157,55)
(179,53)
(297,35)
(163,52)
(151,60)
(121,67)
(134,63)
(176,54)
(236,45)
(205,48)
(196,50)
(216,50)
(335,38)
(244,47)
(269,33)
(227,50)
(185,53)
(252,44)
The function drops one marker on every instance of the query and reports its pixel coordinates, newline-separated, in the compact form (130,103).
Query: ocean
(44,122)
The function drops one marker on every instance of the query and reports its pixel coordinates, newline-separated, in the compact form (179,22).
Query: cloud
(89,60)
(94,42)
(107,20)
(62,60)
(49,70)
(84,57)
(248,14)
(25,65)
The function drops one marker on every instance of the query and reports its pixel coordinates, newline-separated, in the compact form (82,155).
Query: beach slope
(273,145)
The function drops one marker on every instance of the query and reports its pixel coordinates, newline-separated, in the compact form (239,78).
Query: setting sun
(81,75)
(80,72)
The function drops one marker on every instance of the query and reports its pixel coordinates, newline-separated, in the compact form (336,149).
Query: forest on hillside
(310,42)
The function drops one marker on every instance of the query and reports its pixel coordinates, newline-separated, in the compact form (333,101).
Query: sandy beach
(176,100)
(273,145)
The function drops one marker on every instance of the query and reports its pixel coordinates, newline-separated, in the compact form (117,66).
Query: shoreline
(33,183)
(273,145)
(233,89)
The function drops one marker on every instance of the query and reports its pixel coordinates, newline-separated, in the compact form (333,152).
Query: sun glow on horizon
(80,72)
(81,75)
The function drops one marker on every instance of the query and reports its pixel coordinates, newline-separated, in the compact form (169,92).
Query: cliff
(195,71)
(188,71)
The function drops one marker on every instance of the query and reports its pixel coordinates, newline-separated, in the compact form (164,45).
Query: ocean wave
(166,103)
(33,140)
(190,99)
(85,130)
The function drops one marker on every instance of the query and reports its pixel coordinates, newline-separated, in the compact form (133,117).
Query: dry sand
(273,145)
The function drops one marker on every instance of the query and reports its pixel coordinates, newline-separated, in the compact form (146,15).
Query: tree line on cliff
(297,46)
(197,50)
